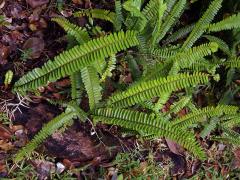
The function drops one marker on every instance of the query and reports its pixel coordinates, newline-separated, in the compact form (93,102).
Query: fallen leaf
(5,146)
(174,147)
(36,46)
(77,1)
(44,168)
(5,132)
(36,3)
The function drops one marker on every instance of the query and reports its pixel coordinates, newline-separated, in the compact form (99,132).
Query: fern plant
(179,68)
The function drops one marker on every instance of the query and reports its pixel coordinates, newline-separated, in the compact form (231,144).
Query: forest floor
(28,38)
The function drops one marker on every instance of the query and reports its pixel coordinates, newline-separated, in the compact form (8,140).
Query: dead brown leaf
(5,132)
(36,3)
(174,147)
(36,46)
(5,146)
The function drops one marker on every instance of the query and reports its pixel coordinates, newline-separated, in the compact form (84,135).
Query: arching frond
(76,59)
(47,130)
(98,14)
(76,89)
(171,18)
(158,26)
(162,52)
(119,16)
(188,57)
(226,24)
(110,66)
(221,44)
(79,33)
(232,121)
(148,124)
(145,90)
(206,112)
(92,85)
(233,63)
(181,33)
(209,127)
(150,11)
(202,24)
(178,106)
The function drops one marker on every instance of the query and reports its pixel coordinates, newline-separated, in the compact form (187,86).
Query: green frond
(150,11)
(76,83)
(148,124)
(47,130)
(226,24)
(232,121)
(233,63)
(201,25)
(164,53)
(227,139)
(76,59)
(164,97)
(178,106)
(145,90)
(209,127)
(119,16)
(203,65)
(188,57)
(170,4)
(133,66)
(229,136)
(79,33)
(171,18)
(110,66)
(179,34)
(206,112)
(98,14)
(221,44)
(136,21)
(158,26)
(92,85)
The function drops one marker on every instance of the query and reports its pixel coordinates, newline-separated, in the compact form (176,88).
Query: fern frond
(233,63)
(232,121)
(209,127)
(76,82)
(221,44)
(92,85)
(158,27)
(171,18)
(170,4)
(201,25)
(145,90)
(77,58)
(206,112)
(162,52)
(188,57)
(148,124)
(164,97)
(179,34)
(150,11)
(111,66)
(47,130)
(98,14)
(79,33)
(137,21)
(226,24)
(119,16)
(178,106)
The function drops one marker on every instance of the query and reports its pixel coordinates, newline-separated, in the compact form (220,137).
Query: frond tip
(148,124)
(76,59)
(148,89)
